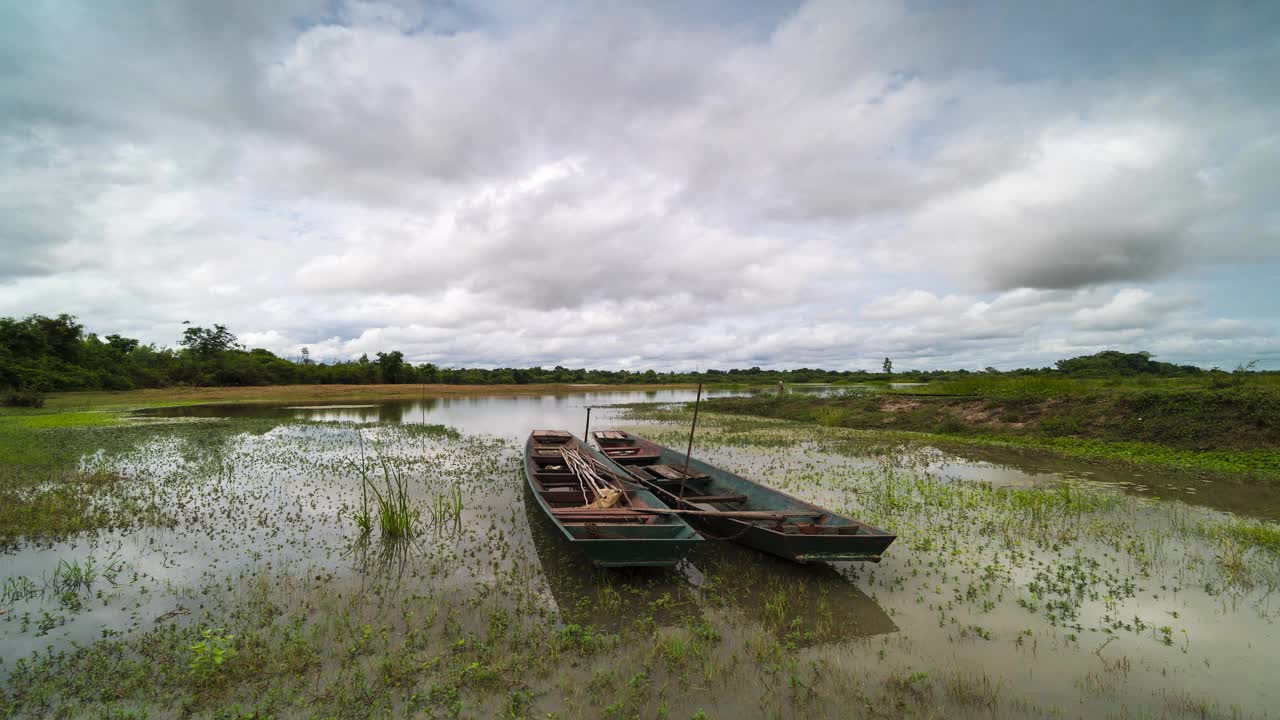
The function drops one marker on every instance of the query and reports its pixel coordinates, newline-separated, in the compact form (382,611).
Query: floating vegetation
(255,589)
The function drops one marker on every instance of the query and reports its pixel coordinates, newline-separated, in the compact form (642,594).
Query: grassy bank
(1234,428)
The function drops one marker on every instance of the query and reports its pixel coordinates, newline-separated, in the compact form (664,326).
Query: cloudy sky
(663,185)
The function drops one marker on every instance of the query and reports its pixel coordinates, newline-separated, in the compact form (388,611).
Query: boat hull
(809,533)
(797,548)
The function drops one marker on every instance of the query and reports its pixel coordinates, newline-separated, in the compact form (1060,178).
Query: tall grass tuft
(388,502)
(447,509)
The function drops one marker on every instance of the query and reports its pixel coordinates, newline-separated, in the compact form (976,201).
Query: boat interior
(623,446)
(567,495)
(699,492)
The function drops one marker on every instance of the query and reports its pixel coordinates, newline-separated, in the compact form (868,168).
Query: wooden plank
(737,514)
(669,473)
(716,498)
(551,435)
(604,520)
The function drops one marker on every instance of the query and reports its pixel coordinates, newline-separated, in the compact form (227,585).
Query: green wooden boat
(637,531)
(727,506)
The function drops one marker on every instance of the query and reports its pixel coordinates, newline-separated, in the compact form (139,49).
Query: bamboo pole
(689,451)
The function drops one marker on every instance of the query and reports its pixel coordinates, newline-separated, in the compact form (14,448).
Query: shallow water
(514,416)
(1115,606)
(503,415)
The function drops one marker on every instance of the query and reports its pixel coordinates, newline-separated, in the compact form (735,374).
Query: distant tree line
(45,354)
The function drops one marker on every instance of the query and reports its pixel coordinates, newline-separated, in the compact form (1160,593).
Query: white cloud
(615,185)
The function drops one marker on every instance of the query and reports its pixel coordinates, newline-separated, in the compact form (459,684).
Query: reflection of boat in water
(803,604)
(610,600)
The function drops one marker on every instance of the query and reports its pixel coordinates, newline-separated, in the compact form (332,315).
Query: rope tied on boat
(606,495)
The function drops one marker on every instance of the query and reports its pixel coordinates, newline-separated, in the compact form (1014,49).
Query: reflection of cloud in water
(502,415)
(327,407)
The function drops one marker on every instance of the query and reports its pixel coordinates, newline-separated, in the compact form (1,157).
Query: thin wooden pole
(587,429)
(689,451)
(738,514)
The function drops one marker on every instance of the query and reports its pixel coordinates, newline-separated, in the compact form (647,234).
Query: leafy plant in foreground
(210,655)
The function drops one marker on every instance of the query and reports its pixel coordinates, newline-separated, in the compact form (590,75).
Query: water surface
(1068,605)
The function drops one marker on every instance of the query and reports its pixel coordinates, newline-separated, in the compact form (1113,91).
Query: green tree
(208,343)
(888,366)
(428,373)
(63,335)
(123,344)
(391,366)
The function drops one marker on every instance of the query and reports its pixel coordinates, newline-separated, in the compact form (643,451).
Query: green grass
(1233,429)
(1248,532)
(1051,386)
(48,493)
(44,491)
(1003,388)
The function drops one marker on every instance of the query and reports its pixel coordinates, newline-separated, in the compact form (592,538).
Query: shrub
(830,416)
(24,398)
(1063,425)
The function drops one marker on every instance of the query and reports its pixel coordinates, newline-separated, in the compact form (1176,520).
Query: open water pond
(1022,592)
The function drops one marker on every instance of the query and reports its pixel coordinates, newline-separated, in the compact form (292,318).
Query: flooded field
(1020,585)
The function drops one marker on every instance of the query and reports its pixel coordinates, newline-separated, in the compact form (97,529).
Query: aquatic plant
(446,509)
(211,653)
(397,518)
(391,505)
